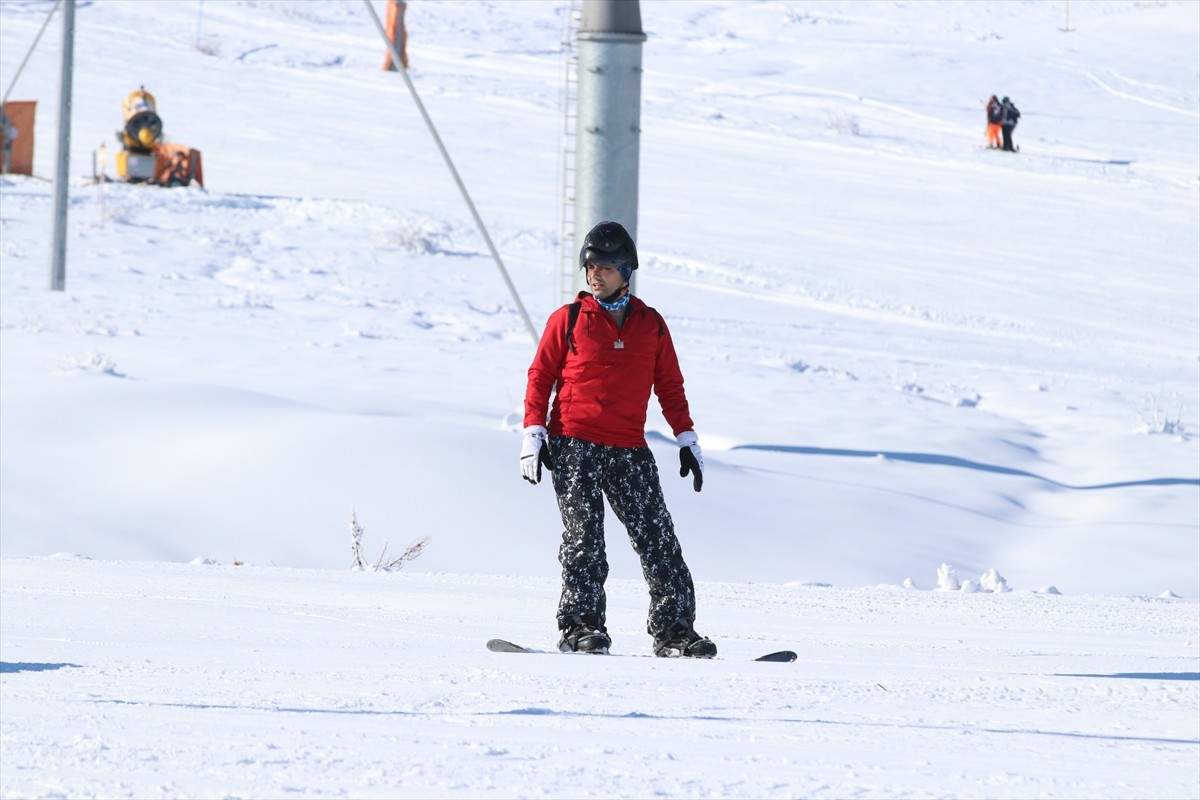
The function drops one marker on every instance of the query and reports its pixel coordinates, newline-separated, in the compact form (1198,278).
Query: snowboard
(504,646)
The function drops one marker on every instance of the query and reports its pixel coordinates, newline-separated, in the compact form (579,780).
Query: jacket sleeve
(546,369)
(668,385)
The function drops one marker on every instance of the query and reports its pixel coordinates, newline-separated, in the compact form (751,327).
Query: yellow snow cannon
(145,155)
(141,134)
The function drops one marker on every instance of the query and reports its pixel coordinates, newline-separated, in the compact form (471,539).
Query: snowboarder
(995,116)
(601,356)
(1011,115)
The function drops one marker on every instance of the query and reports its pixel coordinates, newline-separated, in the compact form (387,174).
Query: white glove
(534,453)
(690,458)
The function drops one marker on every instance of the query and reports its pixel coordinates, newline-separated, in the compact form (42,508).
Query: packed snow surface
(949,400)
(173,680)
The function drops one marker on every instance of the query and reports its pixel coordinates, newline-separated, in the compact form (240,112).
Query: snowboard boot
(581,637)
(681,640)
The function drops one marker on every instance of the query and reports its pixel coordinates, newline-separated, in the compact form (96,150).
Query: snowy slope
(901,350)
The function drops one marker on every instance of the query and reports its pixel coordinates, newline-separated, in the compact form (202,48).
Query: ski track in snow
(1137,98)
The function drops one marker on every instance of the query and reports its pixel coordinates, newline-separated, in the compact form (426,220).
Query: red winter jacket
(603,386)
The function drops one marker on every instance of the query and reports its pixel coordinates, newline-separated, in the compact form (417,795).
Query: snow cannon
(145,155)
(142,131)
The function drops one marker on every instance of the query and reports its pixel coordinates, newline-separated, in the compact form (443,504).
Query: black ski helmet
(609,244)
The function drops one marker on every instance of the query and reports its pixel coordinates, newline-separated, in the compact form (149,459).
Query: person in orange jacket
(601,357)
(995,116)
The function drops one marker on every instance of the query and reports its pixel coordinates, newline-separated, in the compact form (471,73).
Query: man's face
(603,281)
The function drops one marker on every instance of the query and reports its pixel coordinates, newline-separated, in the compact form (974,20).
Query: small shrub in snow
(1155,418)
(419,237)
(841,122)
(383,563)
(356,534)
(414,549)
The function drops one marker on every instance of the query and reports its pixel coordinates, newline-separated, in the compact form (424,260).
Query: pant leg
(577,483)
(632,485)
(1008,132)
(993,134)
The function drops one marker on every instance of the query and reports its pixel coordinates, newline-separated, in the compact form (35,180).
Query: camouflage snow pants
(584,474)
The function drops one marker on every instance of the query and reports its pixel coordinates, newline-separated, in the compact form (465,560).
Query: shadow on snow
(18,666)
(961,463)
(1140,676)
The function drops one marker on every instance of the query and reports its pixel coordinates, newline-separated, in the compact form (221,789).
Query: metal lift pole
(62,172)
(608,128)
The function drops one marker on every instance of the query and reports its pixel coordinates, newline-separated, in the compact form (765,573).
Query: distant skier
(995,116)
(601,356)
(1011,115)
(397,33)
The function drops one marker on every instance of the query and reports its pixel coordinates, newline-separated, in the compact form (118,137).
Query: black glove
(690,458)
